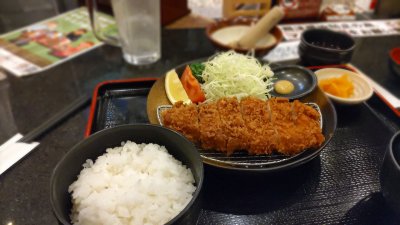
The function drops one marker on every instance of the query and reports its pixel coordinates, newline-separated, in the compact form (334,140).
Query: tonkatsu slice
(254,125)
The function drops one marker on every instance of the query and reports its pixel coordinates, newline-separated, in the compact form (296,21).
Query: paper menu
(283,52)
(366,28)
(45,44)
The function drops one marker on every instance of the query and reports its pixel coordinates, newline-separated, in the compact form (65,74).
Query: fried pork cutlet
(257,119)
(307,121)
(260,127)
(184,119)
(283,122)
(212,135)
(297,126)
(233,124)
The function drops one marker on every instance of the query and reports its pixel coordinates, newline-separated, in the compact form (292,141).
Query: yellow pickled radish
(339,86)
(174,88)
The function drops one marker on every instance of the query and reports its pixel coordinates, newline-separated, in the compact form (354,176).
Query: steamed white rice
(131,184)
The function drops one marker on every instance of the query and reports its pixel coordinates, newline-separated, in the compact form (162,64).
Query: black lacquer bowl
(325,47)
(241,161)
(69,167)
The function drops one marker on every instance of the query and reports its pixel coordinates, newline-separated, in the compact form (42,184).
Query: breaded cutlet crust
(260,127)
(212,135)
(184,119)
(232,124)
(257,119)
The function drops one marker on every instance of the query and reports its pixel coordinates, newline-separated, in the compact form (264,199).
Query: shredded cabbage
(231,74)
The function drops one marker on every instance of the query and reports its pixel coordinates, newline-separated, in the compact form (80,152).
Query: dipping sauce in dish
(284,87)
(231,34)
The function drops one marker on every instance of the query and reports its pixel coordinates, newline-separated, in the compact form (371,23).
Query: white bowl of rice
(131,174)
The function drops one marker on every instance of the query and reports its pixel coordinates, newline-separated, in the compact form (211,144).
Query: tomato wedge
(192,86)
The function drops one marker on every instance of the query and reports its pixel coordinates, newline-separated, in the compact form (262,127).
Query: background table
(340,186)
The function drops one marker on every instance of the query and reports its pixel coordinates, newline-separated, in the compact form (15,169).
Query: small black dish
(390,174)
(325,47)
(303,79)
(395,60)
(69,167)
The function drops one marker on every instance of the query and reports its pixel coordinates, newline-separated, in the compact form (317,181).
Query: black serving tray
(340,186)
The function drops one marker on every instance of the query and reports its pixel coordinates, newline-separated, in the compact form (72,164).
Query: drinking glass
(139,29)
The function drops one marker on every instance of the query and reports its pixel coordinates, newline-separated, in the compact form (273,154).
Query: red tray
(118,102)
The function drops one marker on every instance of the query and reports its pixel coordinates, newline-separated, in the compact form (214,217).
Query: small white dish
(362,88)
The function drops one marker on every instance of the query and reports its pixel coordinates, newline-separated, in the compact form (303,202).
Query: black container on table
(325,47)
(390,174)
(69,167)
